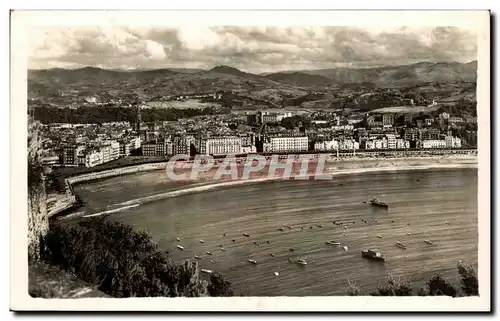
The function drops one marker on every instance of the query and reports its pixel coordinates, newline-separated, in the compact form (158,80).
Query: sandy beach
(210,179)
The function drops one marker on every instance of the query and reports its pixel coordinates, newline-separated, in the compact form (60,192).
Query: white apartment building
(93,158)
(327,145)
(220,145)
(452,142)
(434,143)
(288,144)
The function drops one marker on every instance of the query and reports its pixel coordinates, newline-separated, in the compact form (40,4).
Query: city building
(326,145)
(471,120)
(452,142)
(70,154)
(434,143)
(455,120)
(408,118)
(282,144)
(387,119)
(226,145)
(429,121)
(411,134)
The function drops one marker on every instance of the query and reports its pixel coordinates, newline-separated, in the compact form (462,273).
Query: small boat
(197,257)
(400,245)
(272,254)
(223,249)
(268,242)
(345,248)
(302,262)
(393,221)
(234,240)
(345,227)
(429,242)
(320,226)
(447,223)
(245,234)
(180,247)
(224,234)
(344,234)
(252,261)
(291,250)
(408,233)
(280,229)
(332,243)
(178,239)
(376,202)
(379,236)
(201,241)
(206,271)
(373,255)
(208,252)
(276,273)
(212,261)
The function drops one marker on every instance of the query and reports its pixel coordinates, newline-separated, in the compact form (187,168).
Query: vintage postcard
(250,160)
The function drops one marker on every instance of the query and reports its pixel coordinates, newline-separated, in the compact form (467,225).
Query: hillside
(62,87)
(402,75)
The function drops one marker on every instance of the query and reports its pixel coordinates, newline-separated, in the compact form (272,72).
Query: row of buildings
(93,155)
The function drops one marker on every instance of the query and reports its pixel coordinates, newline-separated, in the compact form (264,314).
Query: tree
(394,287)
(122,262)
(468,279)
(219,286)
(437,285)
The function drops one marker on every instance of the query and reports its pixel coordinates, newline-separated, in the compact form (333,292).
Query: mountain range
(147,83)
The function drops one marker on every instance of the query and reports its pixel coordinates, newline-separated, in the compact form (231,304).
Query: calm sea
(439,205)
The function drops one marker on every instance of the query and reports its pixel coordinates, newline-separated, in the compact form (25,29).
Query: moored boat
(401,245)
(376,202)
(429,242)
(246,234)
(252,261)
(180,247)
(373,255)
(333,243)
(206,271)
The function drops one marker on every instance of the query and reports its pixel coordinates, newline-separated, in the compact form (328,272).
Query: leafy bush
(394,287)
(437,285)
(122,261)
(468,279)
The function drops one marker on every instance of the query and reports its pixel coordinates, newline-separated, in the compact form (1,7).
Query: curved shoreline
(208,183)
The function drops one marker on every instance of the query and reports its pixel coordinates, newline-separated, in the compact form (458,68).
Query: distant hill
(63,86)
(300,79)
(402,75)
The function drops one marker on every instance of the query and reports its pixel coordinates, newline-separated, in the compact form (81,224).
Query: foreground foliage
(124,262)
(436,285)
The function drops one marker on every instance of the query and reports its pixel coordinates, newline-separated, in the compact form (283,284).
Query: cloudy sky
(257,49)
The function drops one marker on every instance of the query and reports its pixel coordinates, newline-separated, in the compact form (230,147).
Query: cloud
(254,49)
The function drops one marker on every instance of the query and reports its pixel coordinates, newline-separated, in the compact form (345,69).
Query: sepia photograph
(297,156)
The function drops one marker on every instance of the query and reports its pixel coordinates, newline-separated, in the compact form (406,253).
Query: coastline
(340,167)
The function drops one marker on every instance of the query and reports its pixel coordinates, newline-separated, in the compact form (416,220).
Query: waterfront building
(70,154)
(411,134)
(224,145)
(326,145)
(93,157)
(433,143)
(288,144)
(452,142)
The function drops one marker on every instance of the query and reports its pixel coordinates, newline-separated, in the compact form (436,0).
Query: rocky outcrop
(38,223)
